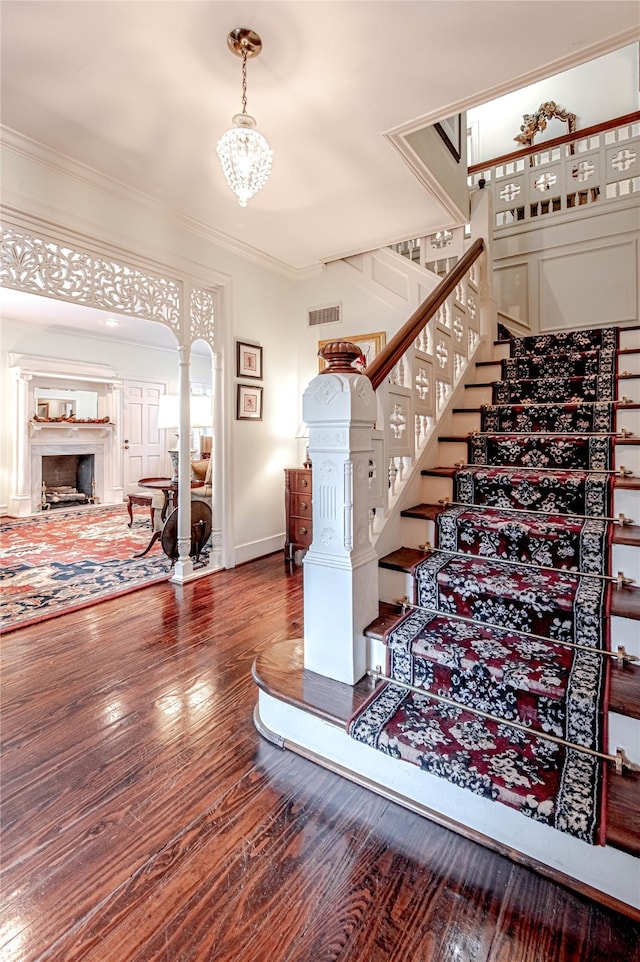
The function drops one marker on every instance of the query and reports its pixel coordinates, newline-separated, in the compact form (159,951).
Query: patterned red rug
(66,559)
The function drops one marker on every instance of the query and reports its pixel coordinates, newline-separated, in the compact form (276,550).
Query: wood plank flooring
(145,820)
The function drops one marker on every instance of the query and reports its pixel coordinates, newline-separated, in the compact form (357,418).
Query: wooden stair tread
(445,472)
(279,671)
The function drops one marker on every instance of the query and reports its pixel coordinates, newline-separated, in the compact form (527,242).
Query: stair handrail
(383,364)
(626,119)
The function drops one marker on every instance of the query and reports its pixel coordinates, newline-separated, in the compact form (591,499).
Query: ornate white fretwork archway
(33,263)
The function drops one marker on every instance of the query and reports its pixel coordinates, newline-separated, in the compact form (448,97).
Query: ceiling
(141,91)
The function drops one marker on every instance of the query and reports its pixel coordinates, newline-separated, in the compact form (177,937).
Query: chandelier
(244,154)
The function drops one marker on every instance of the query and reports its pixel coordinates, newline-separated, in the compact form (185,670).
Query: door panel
(145,453)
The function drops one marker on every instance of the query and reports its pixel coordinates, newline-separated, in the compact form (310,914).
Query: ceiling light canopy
(244,153)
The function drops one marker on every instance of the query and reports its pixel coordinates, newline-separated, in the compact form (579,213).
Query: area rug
(70,558)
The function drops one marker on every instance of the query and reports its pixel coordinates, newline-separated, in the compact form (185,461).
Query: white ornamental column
(183,567)
(341,567)
(20,496)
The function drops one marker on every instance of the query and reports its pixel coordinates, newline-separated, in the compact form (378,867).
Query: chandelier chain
(244,81)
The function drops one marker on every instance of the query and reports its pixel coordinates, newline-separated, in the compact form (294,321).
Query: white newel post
(341,567)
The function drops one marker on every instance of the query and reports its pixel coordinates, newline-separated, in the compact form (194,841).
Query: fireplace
(68,479)
(92,441)
(75,471)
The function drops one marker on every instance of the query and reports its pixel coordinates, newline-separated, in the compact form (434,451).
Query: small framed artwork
(249,403)
(249,362)
(451,132)
(43,409)
(369,344)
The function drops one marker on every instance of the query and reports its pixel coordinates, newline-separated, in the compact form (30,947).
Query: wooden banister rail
(557,141)
(383,364)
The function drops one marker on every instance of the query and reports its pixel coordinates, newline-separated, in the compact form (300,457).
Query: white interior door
(145,454)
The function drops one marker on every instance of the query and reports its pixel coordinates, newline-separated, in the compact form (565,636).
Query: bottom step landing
(308,714)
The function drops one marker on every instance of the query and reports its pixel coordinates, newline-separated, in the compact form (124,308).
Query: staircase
(463,699)
(498,624)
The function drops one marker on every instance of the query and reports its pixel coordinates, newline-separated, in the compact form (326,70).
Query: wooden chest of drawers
(297,499)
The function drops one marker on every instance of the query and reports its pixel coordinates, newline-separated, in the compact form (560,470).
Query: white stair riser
(415,531)
(623,732)
(625,633)
(465,422)
(628,456)
(629,363)
(435,488)
(626,558)
(628,339)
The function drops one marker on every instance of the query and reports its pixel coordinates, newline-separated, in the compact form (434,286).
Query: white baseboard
(257,549)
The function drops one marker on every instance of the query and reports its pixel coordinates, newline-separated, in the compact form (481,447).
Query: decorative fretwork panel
(399,425)
(202,316)
(39,266)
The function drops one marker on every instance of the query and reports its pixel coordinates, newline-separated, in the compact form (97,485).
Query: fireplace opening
(67,479)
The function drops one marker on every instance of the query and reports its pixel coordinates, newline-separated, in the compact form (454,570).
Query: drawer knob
(303,530)
(303,505)
(303,482)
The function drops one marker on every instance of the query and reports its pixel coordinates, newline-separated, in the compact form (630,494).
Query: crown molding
(581,56)
(19,144)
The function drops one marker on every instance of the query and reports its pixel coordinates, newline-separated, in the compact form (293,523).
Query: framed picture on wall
(451,132)
(249,403)
(249,360)
(369,344)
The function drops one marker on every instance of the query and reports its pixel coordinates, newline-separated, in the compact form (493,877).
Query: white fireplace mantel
(35,439)
(69,429)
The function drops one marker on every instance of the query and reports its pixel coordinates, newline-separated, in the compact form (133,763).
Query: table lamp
(169,420)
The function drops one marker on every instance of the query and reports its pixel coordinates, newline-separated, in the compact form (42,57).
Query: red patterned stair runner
(498,596)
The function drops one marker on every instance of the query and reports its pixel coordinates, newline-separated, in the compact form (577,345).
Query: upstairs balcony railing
(597,165)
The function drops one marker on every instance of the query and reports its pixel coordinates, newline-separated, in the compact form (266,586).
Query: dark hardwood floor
(143,817)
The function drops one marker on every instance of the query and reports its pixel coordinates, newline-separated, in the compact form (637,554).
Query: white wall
(362,313)
(596,91)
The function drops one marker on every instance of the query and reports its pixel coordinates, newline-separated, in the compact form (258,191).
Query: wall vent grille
(324,315)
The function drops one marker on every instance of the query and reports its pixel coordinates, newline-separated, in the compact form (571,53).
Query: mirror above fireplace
(65,403)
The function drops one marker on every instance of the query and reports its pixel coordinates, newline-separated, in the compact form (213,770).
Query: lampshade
(169,411)
(201,413)
(244,153)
